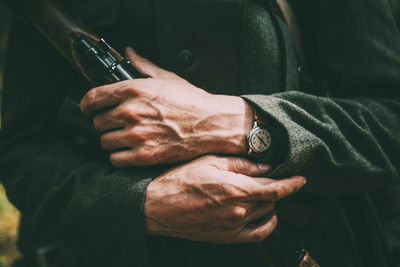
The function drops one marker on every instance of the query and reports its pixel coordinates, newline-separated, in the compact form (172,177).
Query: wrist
(151,207)
(230,127)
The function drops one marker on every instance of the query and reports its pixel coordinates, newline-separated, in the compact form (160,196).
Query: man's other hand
(165,119)
(216,199)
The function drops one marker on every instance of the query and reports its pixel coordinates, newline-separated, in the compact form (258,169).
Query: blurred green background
(9,216)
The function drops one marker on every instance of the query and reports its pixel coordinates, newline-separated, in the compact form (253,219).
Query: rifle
(100,64)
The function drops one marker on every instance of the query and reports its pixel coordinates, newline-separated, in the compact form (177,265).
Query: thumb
(276,189)
(143,65)
(244,166)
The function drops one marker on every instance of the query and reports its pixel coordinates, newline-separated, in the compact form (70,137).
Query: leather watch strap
(257,118)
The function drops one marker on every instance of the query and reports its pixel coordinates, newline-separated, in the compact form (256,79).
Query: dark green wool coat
(342,132)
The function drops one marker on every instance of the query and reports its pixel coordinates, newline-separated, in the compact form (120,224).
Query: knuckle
(239,212)
(144,155)
(130,91)
(114,161)
(234,195)
(240,164)
(129,114)
(91,96)
(96,123)
(88,100)
(126,87)
(235,191)
(277,191)
(130,88)
(135,136)
(147,156)
(227,193)
(104,142)
(236,217)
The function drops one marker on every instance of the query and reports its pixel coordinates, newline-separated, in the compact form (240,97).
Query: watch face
(259,140)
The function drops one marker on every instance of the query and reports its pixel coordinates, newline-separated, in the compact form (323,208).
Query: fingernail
(304,179)
(130,50)
(264,167)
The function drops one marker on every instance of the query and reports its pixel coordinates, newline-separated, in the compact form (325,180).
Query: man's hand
(215,199)
(165,119)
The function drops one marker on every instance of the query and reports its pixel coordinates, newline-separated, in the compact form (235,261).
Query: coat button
(186,57)
(299,69)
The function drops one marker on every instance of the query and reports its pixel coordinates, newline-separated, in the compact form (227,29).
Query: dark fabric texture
(342,131)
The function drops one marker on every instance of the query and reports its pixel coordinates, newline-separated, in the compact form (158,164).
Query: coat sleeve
(349,138)
(62,192)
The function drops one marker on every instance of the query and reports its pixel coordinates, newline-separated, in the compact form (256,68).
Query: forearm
(67,196)
(339,144)
(346,138)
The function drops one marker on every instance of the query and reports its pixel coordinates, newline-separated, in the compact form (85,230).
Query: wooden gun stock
(308,261)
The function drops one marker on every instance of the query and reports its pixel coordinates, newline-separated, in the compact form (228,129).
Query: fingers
(145,66)
(240,166)
(257,232)
(113,94)
(106,96)
(248,188)
(135,157)
(109,120)
(122,159)
(263,229)
(277,189)
(116,140)
(261,210)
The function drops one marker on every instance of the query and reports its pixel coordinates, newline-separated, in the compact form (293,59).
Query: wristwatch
(259,138)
